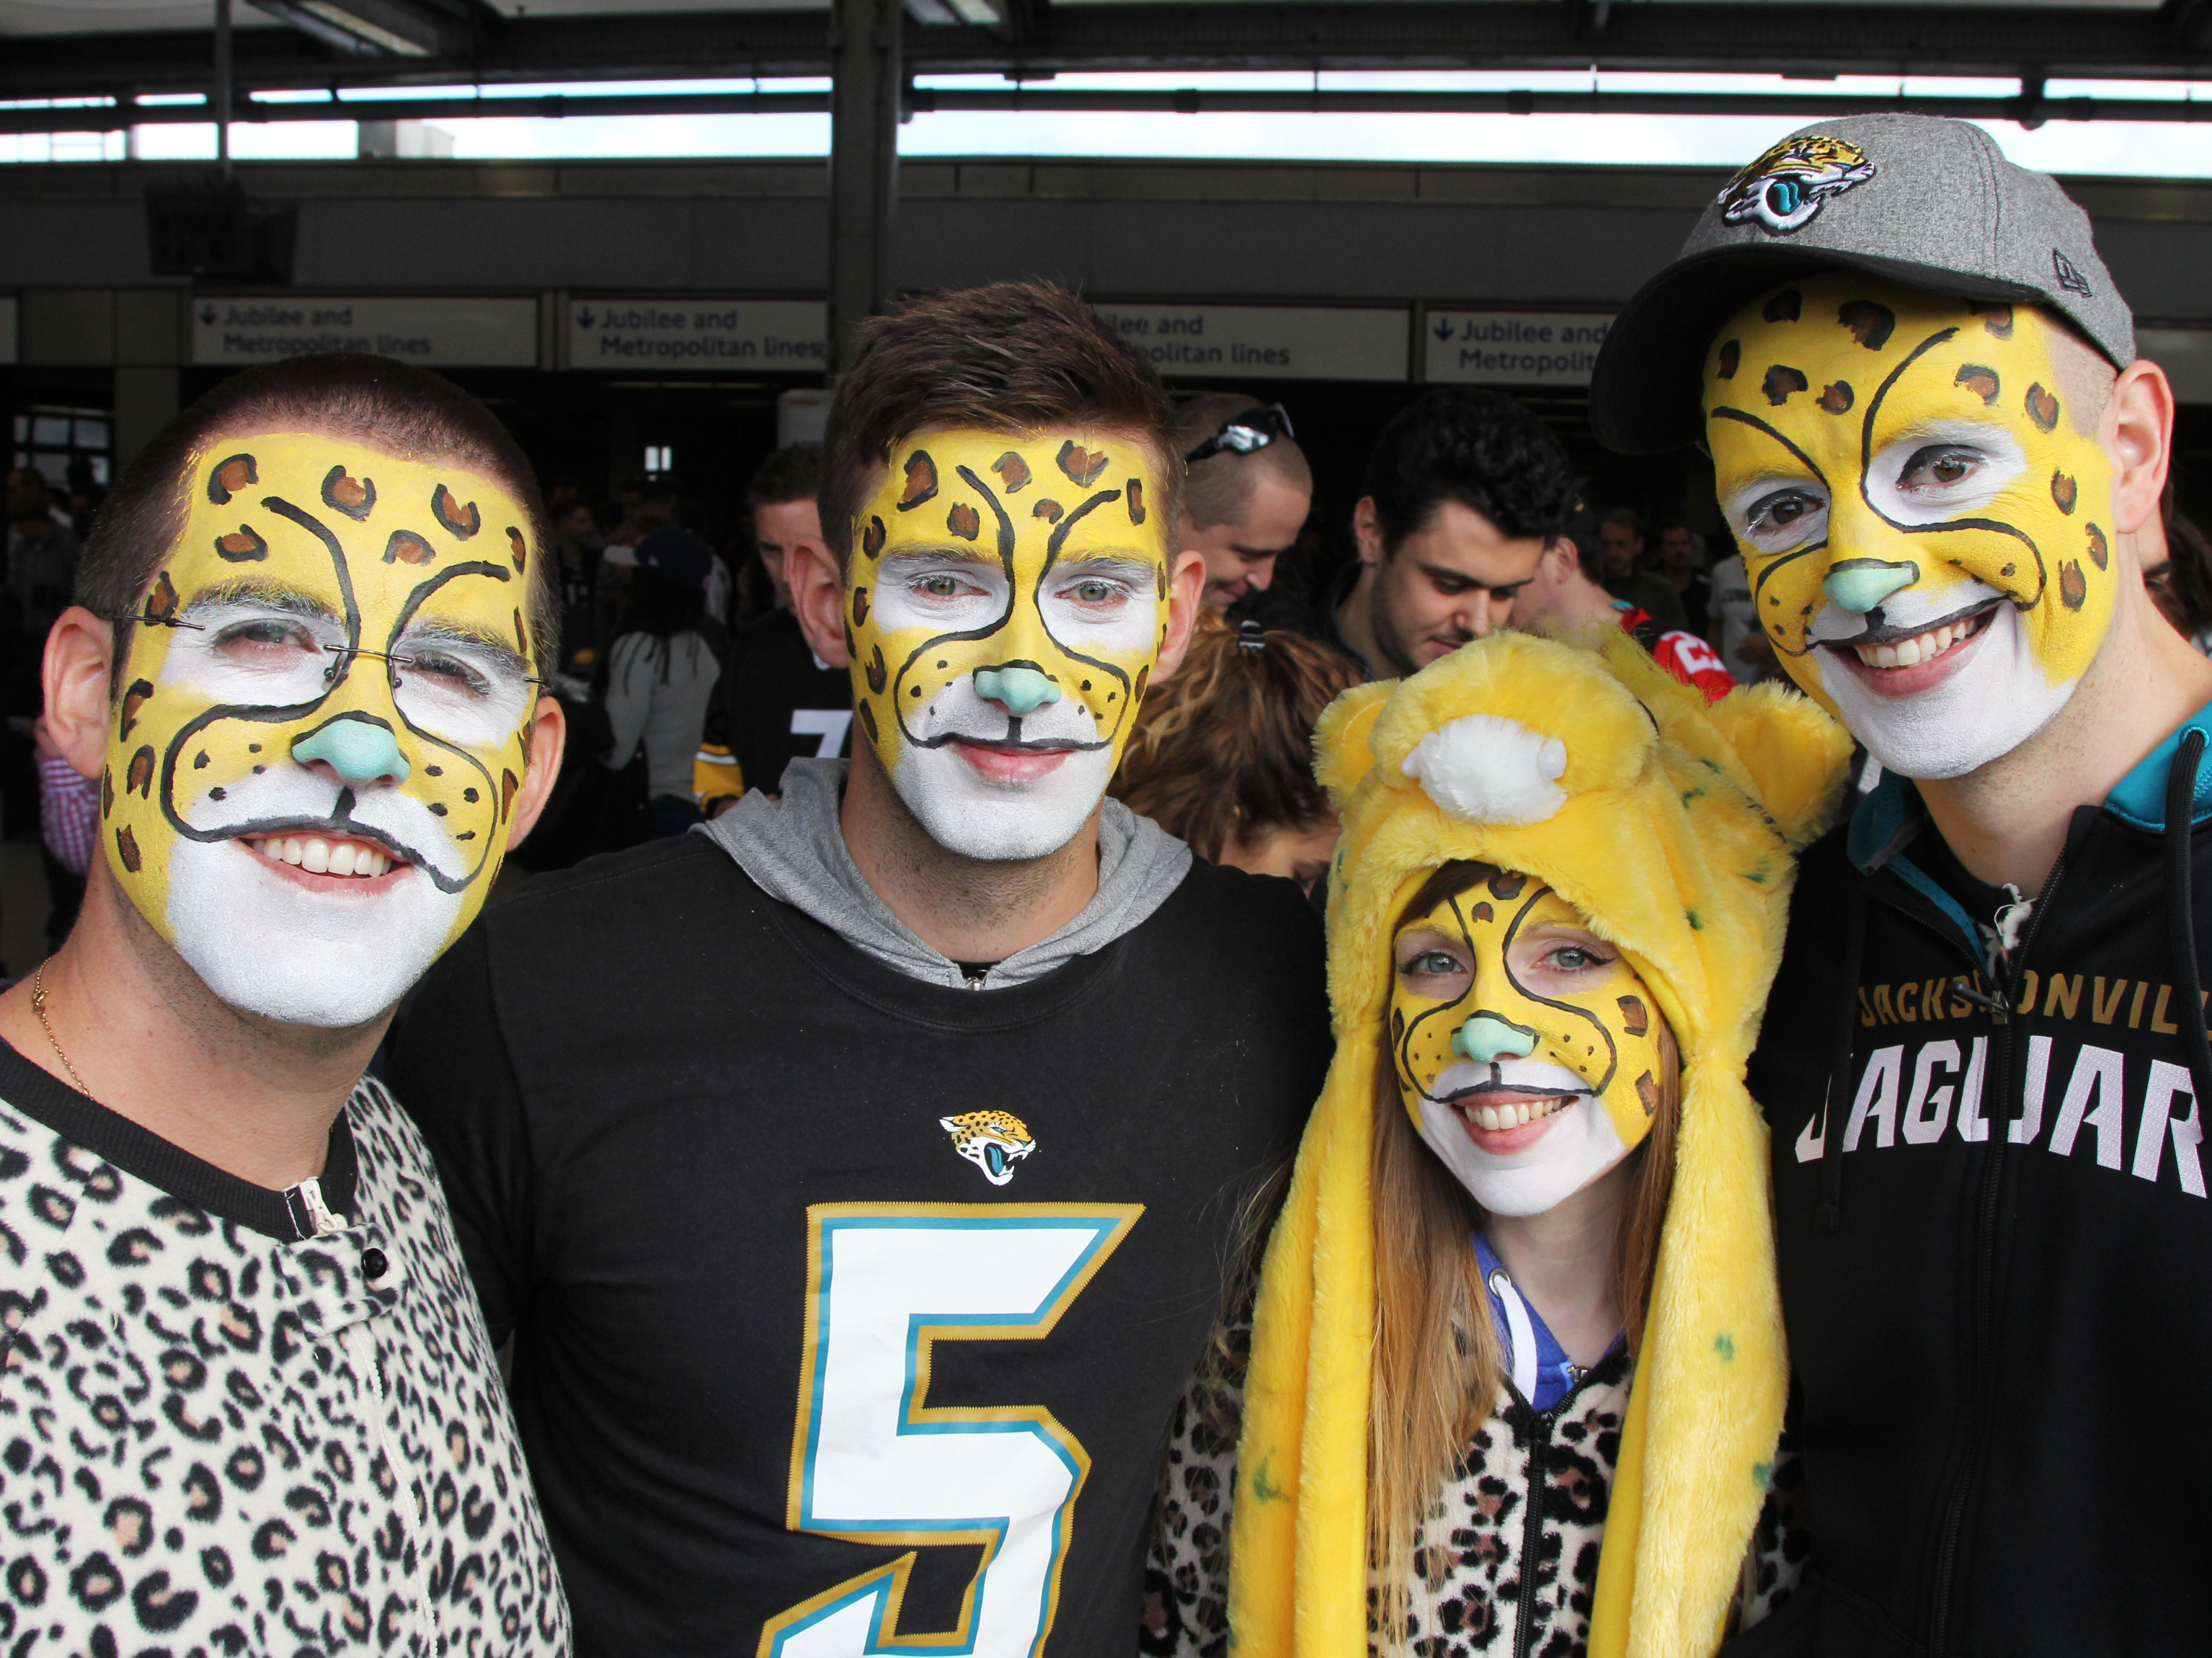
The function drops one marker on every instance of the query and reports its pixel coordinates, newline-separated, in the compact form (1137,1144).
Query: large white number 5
(871,1462)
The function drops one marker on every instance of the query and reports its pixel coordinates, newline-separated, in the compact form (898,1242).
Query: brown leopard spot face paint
(1004,638)
(324,682)
(1919,559)
(1524,1046)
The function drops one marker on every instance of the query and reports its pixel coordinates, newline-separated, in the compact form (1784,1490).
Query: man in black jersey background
(779,700)
(858,1201)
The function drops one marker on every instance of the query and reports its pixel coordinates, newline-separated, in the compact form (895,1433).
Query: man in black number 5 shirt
(855,1176)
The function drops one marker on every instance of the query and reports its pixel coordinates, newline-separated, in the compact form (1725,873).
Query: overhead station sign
(446,332)
(2185,354)
(687,332)
(1513,347)
(1266,342)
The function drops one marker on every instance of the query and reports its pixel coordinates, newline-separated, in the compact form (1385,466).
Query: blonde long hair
(1438,1367)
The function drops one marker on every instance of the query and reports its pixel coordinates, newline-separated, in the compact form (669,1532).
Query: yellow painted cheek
(135,837)
(1424,1055)
(489,808)
(1632,1100)
(865,654)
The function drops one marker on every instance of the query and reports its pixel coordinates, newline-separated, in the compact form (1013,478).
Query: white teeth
(1515,1114)
(1909,653)
(320,856)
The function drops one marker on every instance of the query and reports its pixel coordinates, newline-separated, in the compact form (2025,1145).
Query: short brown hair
(1008,357)
(791,473)
(1224,750)
(1218,489)
(402,411)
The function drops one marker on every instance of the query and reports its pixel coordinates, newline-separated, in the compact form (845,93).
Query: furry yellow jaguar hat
(1671,826)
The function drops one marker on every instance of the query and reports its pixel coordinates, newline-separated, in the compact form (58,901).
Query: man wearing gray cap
(1983,1058)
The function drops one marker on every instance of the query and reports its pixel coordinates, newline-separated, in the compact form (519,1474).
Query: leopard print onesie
(223,1433)
(1487,1561)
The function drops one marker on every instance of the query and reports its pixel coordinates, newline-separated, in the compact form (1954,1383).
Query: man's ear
(1367,530)
(818,599)
(1186,591)
(2136,433)
(77,672)
(548,738)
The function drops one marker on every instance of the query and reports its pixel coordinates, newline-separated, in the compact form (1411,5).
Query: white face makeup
(1525,1047)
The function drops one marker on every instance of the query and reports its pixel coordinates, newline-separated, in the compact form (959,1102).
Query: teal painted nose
(1860,584)
(1020,691)
(355,750)
(1486,1036)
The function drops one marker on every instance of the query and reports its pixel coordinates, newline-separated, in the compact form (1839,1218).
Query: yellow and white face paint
(1005,602)
(1927,525)
(1527,1050)
(324,721)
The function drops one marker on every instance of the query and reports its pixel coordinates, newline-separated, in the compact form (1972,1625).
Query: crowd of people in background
(688,681)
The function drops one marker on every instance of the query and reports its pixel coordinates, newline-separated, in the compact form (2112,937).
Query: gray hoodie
(794,850)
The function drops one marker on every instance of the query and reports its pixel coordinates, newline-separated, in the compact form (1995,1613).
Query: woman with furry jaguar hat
(1516,1373)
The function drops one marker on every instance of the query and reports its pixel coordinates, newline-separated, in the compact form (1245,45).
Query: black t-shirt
(815,1270)
(777,704)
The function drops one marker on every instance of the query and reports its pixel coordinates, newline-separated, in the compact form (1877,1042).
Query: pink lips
(1506,1142)
(1001,765)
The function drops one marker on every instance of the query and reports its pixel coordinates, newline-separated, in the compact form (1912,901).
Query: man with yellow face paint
(303,669)
(858,1210)
(1943,461)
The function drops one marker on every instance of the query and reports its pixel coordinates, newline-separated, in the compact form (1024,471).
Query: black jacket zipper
(1532,1527)
(1996,1111)
(1531,1524)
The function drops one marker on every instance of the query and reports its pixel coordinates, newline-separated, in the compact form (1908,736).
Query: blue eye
(1575,958)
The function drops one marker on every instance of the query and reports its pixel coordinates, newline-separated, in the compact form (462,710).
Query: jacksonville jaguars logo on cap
(994,1141)
(1784,189)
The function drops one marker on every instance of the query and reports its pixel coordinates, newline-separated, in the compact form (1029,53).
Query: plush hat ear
(1342,739)
(1796,754)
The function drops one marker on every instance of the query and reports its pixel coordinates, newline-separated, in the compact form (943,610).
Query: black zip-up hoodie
(1995,1249)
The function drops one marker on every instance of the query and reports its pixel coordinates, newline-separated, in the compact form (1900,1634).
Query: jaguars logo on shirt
(994,1141)
(1784,189)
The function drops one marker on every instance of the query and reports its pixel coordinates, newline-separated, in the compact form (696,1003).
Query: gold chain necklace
(39,1007)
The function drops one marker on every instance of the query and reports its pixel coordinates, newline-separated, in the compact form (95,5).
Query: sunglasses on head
(1240,435)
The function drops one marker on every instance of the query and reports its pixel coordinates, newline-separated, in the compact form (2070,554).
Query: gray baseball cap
(1925,200)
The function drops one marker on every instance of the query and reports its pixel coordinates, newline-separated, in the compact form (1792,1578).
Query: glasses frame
(342,651)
